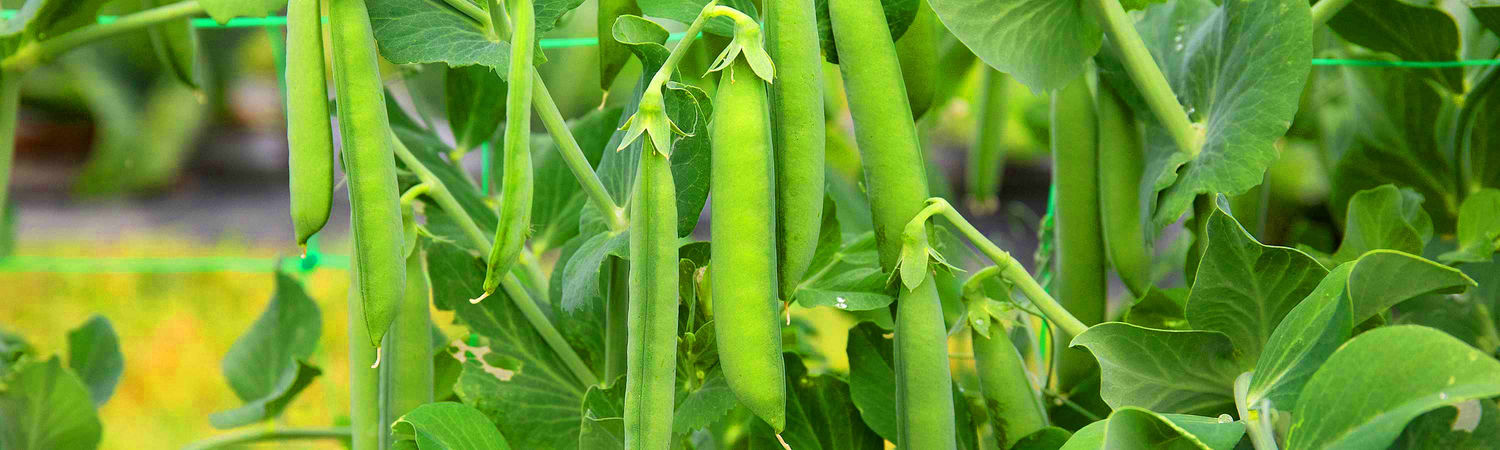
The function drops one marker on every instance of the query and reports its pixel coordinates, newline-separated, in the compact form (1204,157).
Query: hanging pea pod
(987,155)
(516,184)
(309,132)
(652,348)
(918,52)
(1080,243)
(798,135)
(1122,159)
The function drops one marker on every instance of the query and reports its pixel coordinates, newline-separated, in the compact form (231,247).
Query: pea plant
(1158,316)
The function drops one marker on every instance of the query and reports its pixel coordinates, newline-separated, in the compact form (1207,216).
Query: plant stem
(1256,418)
(1148,78)
(35,53)
(499,18)
(1326,9)
(711,10)
(242,437)
(364,382)
(473,11)
(1010,268)
(534,275)
(10,106)
(573,155)
(512,286)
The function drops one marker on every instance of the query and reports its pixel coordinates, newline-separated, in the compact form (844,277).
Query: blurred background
(133,190)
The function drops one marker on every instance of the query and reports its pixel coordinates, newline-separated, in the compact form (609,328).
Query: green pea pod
(612,54)
(745,311)
(1080,244)
(365,132)
(798,134)
(652,348)
(897,185)
(1122,160)
(176,44)
(10,108)
(918,51)
(987,155)
(309,133)
(1008,390)
(408,368)
(515,183)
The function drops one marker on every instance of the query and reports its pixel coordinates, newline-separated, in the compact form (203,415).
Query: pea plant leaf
(1304,339)
(1244,288)
(1467,316)
(94,354)
(1383,278)
(603,421)
(1414,369)
(266,367)
(1043,44)
(1487,11)
(223,10)
(1050,438)
(1384,218)
(448,425)
(1238,70)
(820,415)
(1471,425)
(47,406)
(1478,132)
(1188,372)
(687,11)
(1136,428)
(1478,228)
(872,382)
(705,405)
(422,32)
(899,15)
(474,98)
(1410,31)
(559,200)
(846,277)
(38,20)
(1162,309)
(176,46)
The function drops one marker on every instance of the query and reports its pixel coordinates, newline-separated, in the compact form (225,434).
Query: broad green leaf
(223,10)
(549,13)
(705,405)
(1244,288)
(46,406)
(899,15)
(1188,372)
(820,415)
(1468,317)
(582,277)
(1471,425)
(13,350)
(1306,337)
(559,199)
(872,382)
(266,367)
(94,354)
(1488,13)
(585,332)
(1478,228)
(603,420)
(846,276)
(1384,218)
(1135,428)
(1392,141)
(475,100)
(1090,437)
(1407,29)
(1479,120)
(176,45)
(422,31)
(1162,309)
(1043,44)
(1239,70)
(686,11)
(1382,278)
(448,426)
(1413,370)
(1050,438)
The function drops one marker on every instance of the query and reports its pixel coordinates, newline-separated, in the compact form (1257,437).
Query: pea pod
(918,51)
(309,133)
(798,134)
(652,347)
(1010,394)
(1122,160)
(897,185)
(987,155)
(370,163)
(408,369)
(515,183)
(1080,244)
(745,311)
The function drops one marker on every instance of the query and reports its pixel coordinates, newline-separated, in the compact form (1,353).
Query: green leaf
(1306,337)
(872,382)
(1135,428)
(1090,437)
(559,200)
(475,100)
(687,11)
(266,366)
(1050,438)
(13,351)
(1411,31)
(1468,317)
(549,13)
(94,354)
(1488,13)
(1244,288)
(820,415)
(1478,228)
(1162,309)
(1239,70)
(449,426)
(582,277)
(223,10)
(1189,372)
(1382,278)
(1413,369)
(705,405)
(1384,218)
(899,15)
(846,277)
(423,32)
(1043,44)
(176,45)
(1479,120)
(1471,425)
(45,406)
(603,420)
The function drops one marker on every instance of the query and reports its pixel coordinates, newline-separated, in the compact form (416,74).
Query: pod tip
(377,359)
(783,442)
(475,301)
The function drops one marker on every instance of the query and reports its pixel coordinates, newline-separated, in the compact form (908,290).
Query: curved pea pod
(1010,395)
(1080,244)
(365,132)
(309,133)
(987,155)
(1122,160)
(652,347)
(798,136)
(918,51)
(516,184)
(743,219)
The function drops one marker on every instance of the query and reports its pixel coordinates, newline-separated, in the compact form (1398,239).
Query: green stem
(473,11)
(364,380)
(1326,9)
(710,11)
(1010,268)
(499,18)
(1256,418)
(573,155)
(512,286)
(30,55)
(10,106)
(240,438)
(534,275)
(1148,78)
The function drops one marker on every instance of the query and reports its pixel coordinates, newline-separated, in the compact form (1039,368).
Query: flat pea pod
(650,371)
(612,54)
(918,51)
(368,159)
(987,155)
(897,184)
(516,184)
(1122,161)
(309,133)
(1009,395)
(798,135)
(745,310)
(1080,243)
